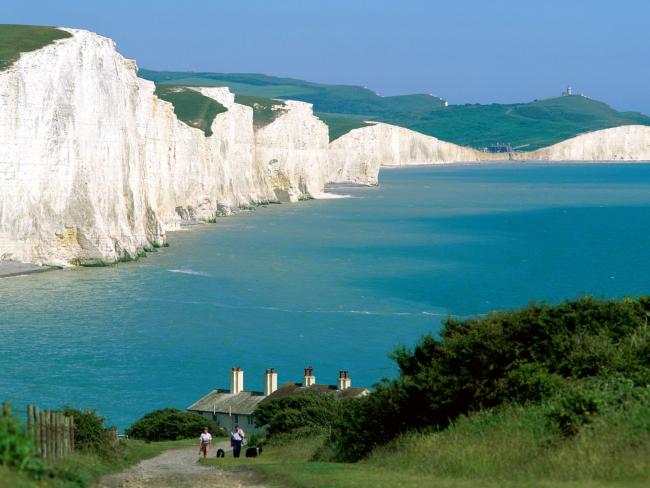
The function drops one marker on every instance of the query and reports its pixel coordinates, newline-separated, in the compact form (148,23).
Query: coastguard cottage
(237,406)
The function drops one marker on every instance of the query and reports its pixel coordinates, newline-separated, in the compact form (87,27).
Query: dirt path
(178,468)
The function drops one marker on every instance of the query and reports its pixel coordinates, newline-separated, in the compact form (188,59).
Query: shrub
(573,408)
(299,412)
(578,403)
(90,433)
(17,451)
(170,424)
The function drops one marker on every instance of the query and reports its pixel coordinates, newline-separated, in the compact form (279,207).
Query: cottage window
(236,419)
(250,420)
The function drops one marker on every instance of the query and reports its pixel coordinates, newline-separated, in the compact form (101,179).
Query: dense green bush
(17,451)
(299,412)
(170,424)
(90,433)
(526,355)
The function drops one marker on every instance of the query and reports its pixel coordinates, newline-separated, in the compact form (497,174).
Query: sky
(465,51)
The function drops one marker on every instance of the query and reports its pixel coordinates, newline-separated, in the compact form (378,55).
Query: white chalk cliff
(94,167)
(625,143)
(358,155)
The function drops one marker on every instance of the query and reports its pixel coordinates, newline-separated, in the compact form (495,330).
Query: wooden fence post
(37,429)
(30,419)
(64,435)
(72,433)
(55,428)
(48,435)
(55,447)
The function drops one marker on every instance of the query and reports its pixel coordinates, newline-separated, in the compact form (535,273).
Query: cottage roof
(222,401)
(290,389)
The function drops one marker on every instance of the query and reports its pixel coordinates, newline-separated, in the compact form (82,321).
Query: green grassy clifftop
(17,39)
(191,107)
(265,110)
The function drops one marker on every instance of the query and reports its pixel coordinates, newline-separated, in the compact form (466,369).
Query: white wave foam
(328,196)
(188,271)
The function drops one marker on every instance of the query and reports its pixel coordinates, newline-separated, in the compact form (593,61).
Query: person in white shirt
(204,442)
(237,437)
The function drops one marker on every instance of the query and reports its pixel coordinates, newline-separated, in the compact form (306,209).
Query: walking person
(237,437)
(204,443)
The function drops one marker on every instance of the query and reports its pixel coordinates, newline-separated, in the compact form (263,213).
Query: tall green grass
(512,446)
(17,39)
(521,444)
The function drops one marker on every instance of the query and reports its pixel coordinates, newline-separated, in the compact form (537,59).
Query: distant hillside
(334,99)
(531,125)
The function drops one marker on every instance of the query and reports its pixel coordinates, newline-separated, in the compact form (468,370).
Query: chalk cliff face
(626,143)
(94,167)
(358,155)
(72,187)
(294,150)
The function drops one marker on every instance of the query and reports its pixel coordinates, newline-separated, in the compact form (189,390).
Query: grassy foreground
(514,446)
(17,39)
(82,470)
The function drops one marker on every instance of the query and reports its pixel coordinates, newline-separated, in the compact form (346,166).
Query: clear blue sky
(462,50)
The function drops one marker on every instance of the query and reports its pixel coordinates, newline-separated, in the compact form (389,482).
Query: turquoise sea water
(333,284)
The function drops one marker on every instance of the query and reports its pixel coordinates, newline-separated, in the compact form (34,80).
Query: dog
(221,453)
(252,452)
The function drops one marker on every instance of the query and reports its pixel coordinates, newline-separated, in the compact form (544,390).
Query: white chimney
(344,380)
(309,379)
(270,381)
(236,380)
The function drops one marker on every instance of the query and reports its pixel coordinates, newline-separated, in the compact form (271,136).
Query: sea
(334,284)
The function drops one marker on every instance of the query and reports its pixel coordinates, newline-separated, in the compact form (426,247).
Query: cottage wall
(228,422)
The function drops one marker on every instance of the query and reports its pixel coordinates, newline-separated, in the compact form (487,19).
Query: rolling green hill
(16,39)
(530,125)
